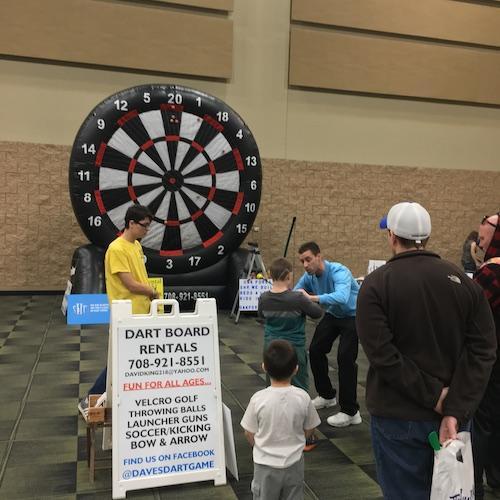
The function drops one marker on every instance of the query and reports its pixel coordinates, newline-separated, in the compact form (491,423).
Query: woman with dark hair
(470,260)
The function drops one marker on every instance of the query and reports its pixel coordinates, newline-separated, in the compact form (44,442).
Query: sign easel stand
(253,258)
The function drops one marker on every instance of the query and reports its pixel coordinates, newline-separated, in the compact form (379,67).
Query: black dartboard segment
(186,155)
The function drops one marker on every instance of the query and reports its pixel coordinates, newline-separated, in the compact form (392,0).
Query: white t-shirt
(278,417)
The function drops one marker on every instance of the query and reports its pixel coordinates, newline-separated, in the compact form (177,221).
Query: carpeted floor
(46,366)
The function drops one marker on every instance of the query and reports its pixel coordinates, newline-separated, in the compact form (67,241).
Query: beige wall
(333,160)
(339,205)
(43,103)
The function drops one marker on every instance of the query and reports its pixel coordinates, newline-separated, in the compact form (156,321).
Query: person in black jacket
(428,333)
(486,424)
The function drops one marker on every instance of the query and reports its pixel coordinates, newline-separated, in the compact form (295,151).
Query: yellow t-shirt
(125,257)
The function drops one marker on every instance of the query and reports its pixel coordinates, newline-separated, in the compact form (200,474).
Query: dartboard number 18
(186,155)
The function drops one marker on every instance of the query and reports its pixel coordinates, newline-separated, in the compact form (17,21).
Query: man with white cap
(428,333)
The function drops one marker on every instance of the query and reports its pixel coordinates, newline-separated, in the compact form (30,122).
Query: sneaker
(83,407)
(342,419)
(311,443)
(320,402)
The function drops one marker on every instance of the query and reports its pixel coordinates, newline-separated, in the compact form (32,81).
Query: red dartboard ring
(186,155)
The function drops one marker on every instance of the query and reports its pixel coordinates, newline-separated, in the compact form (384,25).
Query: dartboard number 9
(184,154)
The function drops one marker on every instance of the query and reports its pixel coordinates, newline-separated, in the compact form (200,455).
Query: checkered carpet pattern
(46,366)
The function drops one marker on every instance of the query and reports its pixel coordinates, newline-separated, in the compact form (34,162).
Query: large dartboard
(186,155)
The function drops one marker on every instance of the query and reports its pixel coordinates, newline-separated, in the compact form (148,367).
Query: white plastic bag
(453,475)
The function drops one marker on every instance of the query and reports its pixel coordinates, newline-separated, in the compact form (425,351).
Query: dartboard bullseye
(186,155)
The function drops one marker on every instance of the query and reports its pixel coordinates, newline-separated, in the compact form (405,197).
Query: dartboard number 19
(186,155)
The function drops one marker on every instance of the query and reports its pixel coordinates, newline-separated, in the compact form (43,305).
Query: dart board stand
(254,264)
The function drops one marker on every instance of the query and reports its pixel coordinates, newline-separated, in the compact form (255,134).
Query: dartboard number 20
(186,155)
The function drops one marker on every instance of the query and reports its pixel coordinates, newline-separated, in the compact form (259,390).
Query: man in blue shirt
(332,286)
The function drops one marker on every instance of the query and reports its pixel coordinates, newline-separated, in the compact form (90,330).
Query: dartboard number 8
(186,155)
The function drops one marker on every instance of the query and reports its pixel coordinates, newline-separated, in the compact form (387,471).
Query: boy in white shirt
(276,422)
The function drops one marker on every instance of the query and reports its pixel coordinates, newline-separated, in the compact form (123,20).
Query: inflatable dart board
(186,155)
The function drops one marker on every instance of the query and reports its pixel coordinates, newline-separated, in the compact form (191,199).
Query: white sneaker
(342,419)
(320,402)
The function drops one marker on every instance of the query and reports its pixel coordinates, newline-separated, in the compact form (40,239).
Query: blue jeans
(99,386)
(404,457)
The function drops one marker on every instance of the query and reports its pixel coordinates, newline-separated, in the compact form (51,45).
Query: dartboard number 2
(194,260)
(220,250)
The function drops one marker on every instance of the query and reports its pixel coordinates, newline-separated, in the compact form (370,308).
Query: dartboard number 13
(186,155)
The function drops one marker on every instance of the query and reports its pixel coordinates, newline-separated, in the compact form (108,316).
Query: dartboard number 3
(169,264)
(194,260)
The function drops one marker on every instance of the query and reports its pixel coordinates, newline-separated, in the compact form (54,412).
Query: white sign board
(374,264)
(250,291)
(167,404)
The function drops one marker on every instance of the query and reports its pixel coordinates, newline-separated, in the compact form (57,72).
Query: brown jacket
(424,325)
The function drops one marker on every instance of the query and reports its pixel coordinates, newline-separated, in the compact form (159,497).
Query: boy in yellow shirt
(126,277)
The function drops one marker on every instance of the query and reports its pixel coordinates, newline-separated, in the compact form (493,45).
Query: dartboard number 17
(186,155)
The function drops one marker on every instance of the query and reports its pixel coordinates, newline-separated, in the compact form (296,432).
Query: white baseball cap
(408,220)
